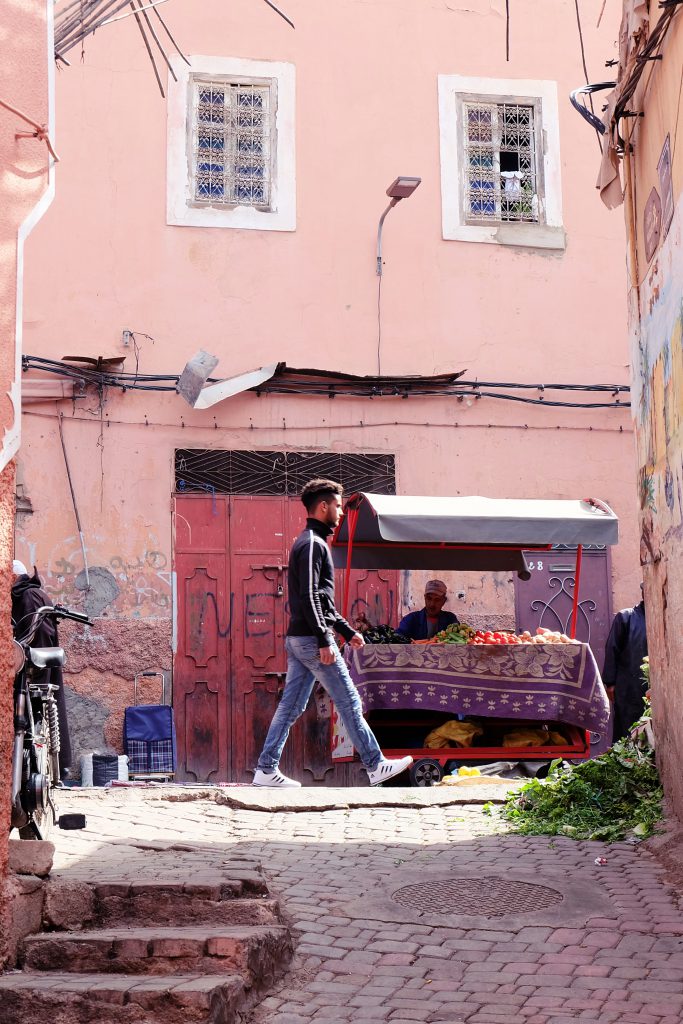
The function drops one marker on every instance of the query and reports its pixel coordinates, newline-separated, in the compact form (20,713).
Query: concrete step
(259,953)
(166,903)
(111,999)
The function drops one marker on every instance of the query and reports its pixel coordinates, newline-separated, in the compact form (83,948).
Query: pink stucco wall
(24,191)
(366,111)
(105,260)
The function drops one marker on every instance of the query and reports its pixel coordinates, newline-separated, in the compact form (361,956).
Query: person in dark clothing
(432,618)
(27,596)
(312,651)
(624,652)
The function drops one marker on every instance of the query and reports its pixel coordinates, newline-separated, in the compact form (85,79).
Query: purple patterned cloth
(544,682)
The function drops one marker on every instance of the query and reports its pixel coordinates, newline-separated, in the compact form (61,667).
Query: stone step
(187,904)
(111,999)
(75,904)
(232,884)
(259,953)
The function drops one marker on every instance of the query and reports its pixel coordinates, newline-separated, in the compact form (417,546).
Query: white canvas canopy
(466,533)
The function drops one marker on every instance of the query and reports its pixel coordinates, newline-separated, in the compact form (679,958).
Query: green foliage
(608,798)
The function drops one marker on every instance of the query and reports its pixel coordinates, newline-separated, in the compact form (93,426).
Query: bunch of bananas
(456,633)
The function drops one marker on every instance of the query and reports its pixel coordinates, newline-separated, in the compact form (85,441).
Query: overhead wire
(360,424)
(585,65)
(399,387)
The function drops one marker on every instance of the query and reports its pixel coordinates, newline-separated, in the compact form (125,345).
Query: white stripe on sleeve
(323,625)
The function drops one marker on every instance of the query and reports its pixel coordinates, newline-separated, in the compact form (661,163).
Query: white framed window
(231,144)
(500,162)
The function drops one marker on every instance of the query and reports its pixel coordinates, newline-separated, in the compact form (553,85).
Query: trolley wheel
(425,772)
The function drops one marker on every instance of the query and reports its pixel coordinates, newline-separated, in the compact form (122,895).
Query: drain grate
(489,896)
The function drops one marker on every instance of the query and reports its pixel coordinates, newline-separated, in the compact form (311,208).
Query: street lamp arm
(393,202)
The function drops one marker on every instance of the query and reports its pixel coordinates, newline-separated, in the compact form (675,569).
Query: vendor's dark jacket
(416,626)
(27,596)
(624,652)
(311,587)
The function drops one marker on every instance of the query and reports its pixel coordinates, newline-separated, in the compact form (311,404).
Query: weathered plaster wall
(102,665)
(656,328)
(24,194)
(659,421)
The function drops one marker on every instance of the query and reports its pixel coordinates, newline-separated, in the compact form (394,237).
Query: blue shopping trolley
(149,735)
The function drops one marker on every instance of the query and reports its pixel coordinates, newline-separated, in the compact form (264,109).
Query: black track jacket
(311,587)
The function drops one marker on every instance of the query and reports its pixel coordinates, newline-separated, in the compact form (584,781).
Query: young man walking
(312,651)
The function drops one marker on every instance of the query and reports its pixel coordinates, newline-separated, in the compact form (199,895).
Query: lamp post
(400,189)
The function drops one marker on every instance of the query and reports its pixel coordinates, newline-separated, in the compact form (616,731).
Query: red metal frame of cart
(377,531)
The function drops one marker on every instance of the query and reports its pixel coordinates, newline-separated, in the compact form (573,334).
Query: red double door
(229,667)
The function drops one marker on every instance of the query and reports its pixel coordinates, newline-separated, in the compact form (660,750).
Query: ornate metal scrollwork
(563,585)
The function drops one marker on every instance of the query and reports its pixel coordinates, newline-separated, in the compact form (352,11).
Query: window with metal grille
(232,142)
(501,165)
(284,473)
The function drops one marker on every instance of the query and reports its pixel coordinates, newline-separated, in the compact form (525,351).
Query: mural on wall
(657,347)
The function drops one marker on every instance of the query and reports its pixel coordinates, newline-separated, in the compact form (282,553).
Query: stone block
(177,947)
(130,948)
(31,857)
(68,904)
(24,903)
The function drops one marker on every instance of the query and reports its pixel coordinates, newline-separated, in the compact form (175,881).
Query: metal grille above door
(283,473)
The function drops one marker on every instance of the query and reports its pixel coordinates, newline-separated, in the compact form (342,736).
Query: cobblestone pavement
(617,959)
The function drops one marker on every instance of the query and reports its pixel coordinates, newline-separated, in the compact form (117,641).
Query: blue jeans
(303,669)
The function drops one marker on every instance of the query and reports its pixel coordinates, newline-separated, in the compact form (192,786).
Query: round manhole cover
(488,897)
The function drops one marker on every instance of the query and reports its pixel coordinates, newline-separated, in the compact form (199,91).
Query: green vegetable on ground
(611,797)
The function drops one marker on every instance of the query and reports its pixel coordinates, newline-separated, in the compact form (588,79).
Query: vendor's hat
(18,568)
(436,587)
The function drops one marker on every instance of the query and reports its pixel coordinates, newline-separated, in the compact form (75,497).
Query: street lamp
(398,190)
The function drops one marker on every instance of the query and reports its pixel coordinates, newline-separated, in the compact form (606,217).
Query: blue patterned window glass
(232,143)
(501,181)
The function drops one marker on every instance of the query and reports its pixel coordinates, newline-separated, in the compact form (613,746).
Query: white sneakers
(384,770)
(387,769)
(274,780)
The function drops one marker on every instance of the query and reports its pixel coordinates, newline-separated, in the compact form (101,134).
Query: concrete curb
(311,798)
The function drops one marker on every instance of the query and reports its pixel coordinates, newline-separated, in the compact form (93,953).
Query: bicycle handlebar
(66,613)
(58,611)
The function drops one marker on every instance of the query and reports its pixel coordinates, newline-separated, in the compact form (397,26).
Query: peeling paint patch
(101,590)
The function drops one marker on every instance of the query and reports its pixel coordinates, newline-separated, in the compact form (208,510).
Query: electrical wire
(585,66)
(360,424)
(399,387)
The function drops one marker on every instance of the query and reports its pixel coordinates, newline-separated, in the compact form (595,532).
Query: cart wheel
(425,772)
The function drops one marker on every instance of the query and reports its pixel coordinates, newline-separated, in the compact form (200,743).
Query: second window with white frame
(500,161)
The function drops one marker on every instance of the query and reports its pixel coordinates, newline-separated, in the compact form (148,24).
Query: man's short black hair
(319,490)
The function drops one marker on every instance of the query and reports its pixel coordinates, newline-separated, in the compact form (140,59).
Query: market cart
(407,690)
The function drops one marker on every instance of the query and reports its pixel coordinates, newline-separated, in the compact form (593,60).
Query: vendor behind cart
(431,619)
